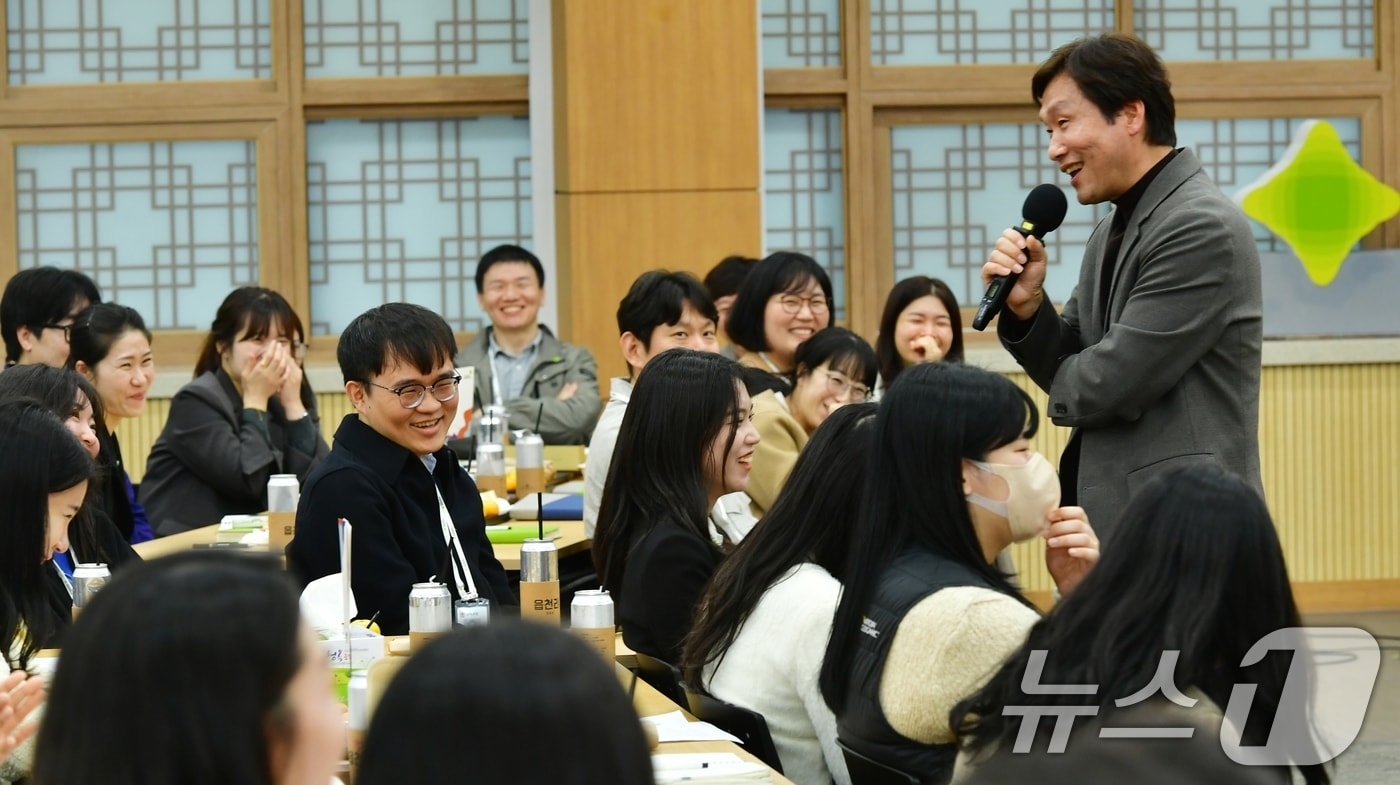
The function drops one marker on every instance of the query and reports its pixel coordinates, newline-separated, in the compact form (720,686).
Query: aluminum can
(471,611)
(88,579)
(357,706)
(494,426)
(539,581)
(429,608)
(282,493)
(591,618)
(491,469)
(529,465)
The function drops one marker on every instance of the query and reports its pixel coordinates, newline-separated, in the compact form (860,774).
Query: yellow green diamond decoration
(1319,200)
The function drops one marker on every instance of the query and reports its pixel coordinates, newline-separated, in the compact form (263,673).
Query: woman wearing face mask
(925,616)
(834,367)
(44,475)
(92,537)
(921,324)
(111,347)
(248,414)
(785,300)
(687,439)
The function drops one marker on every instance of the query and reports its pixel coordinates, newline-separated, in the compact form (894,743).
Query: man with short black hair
(1155,359)
(663,310)
(415,513)
(518,361)
(36,311)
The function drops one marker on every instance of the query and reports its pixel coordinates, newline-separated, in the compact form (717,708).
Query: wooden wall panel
(661,95)
(607,240)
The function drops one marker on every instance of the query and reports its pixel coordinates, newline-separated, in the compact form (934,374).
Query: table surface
(648,702)
(571,540)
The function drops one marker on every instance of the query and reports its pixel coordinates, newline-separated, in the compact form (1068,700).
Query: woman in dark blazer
(248,414)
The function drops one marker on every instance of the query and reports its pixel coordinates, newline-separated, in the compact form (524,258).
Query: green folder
(518,532)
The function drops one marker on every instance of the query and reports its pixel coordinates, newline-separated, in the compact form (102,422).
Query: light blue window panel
(803,201)
(417,38)
(801,33)
(1235,153)
(955,188)
(168,228)
(89,41)
(967,32)
(1256,29)
(401,210)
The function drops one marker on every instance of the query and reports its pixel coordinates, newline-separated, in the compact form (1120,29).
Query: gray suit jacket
(559,363)
(209,462)
(1170,373)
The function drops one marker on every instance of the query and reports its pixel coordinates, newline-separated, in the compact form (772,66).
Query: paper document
(712,767)
(675,727)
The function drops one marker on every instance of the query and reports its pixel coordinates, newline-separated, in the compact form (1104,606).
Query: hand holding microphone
(1019,251)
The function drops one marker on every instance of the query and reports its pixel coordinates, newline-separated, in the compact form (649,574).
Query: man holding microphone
(1155,359)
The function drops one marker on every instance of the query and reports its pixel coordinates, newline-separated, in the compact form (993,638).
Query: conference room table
(570,540)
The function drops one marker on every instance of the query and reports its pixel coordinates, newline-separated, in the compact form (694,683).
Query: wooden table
(648,702)
(571,540)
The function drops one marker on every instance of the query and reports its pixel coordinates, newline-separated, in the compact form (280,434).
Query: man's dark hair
(658,297)
(40,296)
(506,253)
(1113,70)
(726,277)
(392,332)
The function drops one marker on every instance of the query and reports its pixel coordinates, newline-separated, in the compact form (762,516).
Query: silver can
(529,465)
(471,611)
(429,608)
(282,493)
(591,609)
(88,579)
(494,426)
(539,561)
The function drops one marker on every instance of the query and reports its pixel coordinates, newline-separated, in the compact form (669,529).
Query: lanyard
(466,585)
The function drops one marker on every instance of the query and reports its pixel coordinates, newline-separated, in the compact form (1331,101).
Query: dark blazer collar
(382,456)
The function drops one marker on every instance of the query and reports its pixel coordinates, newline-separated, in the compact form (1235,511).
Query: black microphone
(1042,213)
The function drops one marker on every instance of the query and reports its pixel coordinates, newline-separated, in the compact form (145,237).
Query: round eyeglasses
(411,395)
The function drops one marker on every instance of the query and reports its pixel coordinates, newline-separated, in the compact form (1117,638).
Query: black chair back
(868,771)
(748,725)
(664,677)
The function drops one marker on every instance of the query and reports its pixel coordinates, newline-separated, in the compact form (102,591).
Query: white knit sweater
(772,668)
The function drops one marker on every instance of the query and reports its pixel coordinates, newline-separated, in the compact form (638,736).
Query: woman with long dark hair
(687,439)
(475,705)
(833,368)
(92,537)
(785,300)
(1195,568)
(766,615)
(207,656)
(248,414)
(110,346)
(925,615)
(921,323)
(44,474)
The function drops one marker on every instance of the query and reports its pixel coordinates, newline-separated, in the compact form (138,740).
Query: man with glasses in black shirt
(415,512)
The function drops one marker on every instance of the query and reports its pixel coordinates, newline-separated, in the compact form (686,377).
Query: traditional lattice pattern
(86,41)
(803,203)
(801,33)
(955,188)
(167,228)
(968,32)
(418,38)
(1256,29)
(401,210)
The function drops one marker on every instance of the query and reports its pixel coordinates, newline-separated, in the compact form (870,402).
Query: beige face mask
(1034,492)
